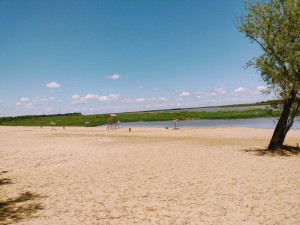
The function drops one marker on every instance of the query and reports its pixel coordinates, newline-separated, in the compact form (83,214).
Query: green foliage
(98,120)
(275,27)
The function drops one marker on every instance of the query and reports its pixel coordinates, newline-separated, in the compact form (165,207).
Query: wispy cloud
(114,97)
(206,94)
(108,98)
(185,94)
(114,77)
(53,85)
(261,89)
(221,90)
(29,106)
(140,99)
(40,99)
(161,99)
(91,97)
(77,99)
(24,99)
(240,90)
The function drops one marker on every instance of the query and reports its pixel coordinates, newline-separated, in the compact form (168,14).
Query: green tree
(275,26)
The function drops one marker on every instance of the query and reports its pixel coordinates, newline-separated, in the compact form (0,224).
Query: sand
(148,176)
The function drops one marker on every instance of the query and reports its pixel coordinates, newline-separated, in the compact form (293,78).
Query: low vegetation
(77,119)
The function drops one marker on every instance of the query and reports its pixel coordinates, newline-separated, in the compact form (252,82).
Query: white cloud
(140,100)
(29,106)
(161,99)
(221,90)
(141,87)
(91,97)
(261,89)
(114,77)
(109,98)
(40,99)
(240,90)
(103,99)
(53,85)
(78,100)
(114,97)
(205,94)
(184,94)
(24,99)
(49,109)
(76,97)
(52,99)
(0,100)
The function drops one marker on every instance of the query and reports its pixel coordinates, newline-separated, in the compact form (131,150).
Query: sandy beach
(148,176)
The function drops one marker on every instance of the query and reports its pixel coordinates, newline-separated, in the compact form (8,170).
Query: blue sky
(107,56)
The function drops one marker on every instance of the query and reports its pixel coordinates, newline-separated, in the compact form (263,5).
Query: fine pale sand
(147,176)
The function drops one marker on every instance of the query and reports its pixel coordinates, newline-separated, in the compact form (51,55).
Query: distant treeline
(262,103)
(10,118)
(77,119)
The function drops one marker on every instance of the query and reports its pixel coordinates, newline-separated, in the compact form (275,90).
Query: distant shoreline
(77,119)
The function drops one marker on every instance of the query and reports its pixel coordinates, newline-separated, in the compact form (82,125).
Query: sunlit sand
(147,176)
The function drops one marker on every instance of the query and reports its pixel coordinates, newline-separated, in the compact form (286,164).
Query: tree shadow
(14,210)
(4,181)
(285,151)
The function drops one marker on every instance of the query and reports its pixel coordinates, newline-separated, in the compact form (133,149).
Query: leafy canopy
(275,26)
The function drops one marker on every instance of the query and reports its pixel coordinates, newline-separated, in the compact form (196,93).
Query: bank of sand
(148,176)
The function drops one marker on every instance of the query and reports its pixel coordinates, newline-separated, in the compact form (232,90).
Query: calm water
(265,123)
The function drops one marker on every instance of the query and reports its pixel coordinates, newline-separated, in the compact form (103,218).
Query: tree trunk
(282,127)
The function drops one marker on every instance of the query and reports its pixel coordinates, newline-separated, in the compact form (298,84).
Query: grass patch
(102,119)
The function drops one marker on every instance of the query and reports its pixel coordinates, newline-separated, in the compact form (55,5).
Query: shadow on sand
(4,181)
(283,151)
(14,210)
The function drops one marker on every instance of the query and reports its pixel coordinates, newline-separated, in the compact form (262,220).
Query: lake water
(264,123)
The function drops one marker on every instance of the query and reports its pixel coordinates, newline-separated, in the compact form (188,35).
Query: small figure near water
(175,121)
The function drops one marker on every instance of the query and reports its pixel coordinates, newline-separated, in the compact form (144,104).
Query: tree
(275,26)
